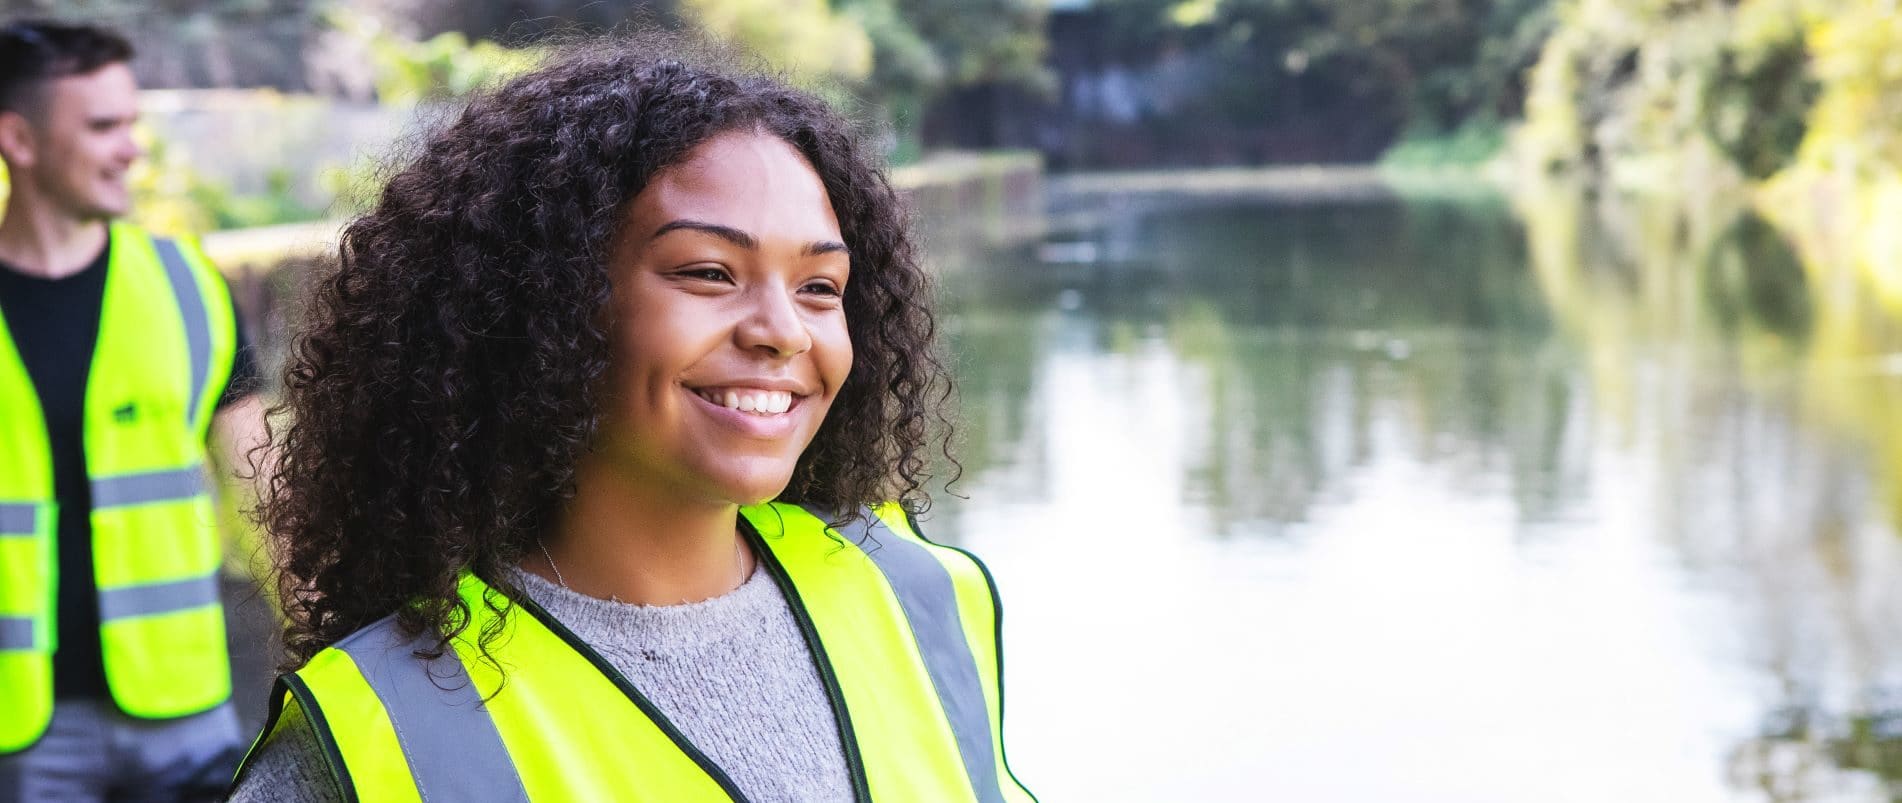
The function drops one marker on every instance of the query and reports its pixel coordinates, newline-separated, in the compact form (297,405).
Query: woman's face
(729,339)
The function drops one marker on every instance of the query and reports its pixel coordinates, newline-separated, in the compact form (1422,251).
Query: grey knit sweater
(733,673)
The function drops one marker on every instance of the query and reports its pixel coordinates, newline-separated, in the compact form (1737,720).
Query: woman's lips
(771,415)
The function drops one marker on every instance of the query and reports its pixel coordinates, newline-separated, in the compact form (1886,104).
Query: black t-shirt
(54,324)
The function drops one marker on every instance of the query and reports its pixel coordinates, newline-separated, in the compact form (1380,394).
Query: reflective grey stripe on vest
(16,633)
(191,307)
(170,485)
(454,751)
(157,598)
(19,518)
(930,602)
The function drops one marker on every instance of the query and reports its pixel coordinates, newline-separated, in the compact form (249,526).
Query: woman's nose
(773,324)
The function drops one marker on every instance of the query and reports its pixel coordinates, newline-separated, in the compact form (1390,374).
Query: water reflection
(1750,391)
(1435,500)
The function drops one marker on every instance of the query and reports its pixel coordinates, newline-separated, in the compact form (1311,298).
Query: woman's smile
(749,400)
(754,411)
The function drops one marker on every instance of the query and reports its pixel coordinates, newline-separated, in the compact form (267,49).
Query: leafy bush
(1765,84)
(1473,143)
(442,67)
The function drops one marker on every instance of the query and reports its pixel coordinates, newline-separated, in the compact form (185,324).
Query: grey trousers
(93,752)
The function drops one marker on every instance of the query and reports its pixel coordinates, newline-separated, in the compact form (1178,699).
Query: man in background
(120,363)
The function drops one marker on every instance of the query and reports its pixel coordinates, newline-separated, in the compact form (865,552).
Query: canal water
(1350,496)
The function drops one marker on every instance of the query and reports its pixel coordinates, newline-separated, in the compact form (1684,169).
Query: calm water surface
(1360,498)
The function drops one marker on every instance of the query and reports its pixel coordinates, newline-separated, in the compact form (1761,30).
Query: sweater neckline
(656,627)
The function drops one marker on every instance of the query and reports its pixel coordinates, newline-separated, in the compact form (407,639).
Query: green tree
(806,37)
(1419,66)
(982,41)
(925,49)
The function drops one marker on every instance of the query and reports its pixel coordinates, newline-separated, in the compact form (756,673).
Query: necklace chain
(739,565)
(551,563)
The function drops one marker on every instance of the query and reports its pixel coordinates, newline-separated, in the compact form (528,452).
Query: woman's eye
(706,274)
(827,289)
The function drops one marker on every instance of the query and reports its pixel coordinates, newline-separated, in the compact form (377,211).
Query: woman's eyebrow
(744,240)
(728,233)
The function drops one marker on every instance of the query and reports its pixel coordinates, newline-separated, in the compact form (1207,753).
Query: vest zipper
(854,761)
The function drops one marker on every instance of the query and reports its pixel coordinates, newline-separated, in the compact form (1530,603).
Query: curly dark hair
(447,377)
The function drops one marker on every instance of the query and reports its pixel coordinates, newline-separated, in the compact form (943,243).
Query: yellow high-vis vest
(164,351)
(904,633)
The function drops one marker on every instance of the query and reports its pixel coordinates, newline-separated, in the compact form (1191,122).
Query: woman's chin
(754,488)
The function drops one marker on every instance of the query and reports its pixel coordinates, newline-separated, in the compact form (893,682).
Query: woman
(601,319)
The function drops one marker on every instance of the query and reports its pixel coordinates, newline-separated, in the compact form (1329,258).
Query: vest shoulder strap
(982,612)
(940,611)
(418,729)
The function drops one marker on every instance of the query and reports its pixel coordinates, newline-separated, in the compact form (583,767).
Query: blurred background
(1400,400)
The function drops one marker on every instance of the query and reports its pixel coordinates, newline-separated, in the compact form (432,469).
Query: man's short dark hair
(33,52)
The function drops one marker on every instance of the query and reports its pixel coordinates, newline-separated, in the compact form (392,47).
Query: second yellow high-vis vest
(904,633)
(164,352)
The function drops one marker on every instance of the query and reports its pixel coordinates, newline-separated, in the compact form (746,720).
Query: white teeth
(762,402)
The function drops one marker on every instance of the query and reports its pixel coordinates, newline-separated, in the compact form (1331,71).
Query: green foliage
(1757,107)
(898,56)
(163,186)
(1857,125)
(805,37)
(354,186)
(1473,143)
(1427,68)
(442,67)
(907,73)
(923,49)
(227,210)
(1796,101)
(904,62)
(1625,82)
(1768,85)
(982,41)
(170,195)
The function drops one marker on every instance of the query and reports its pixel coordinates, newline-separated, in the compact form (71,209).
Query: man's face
(78,143)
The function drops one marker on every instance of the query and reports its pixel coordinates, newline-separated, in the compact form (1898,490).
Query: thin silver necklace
(551,563)
(739,566)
